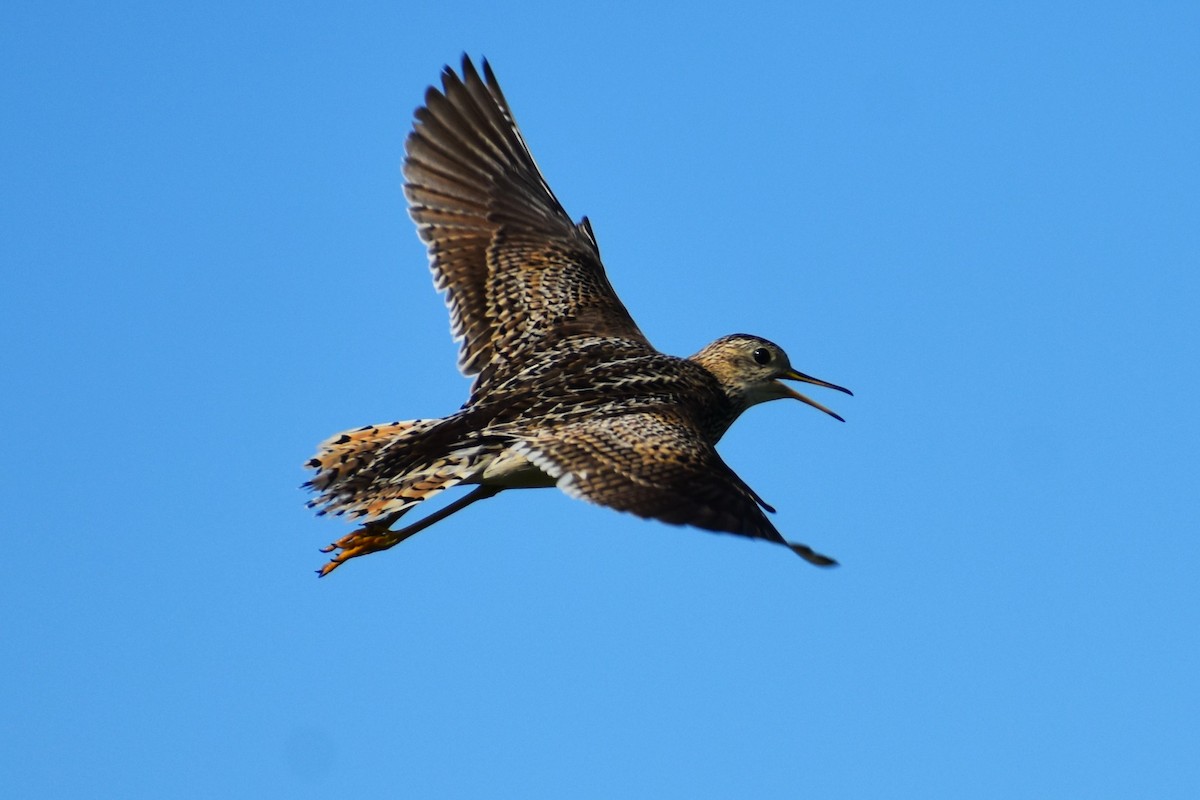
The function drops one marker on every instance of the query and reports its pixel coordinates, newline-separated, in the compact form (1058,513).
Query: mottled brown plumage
(567,391)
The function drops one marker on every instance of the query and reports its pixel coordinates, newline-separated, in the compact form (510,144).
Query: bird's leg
(375,536)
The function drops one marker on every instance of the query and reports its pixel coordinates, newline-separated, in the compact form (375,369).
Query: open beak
(788,391)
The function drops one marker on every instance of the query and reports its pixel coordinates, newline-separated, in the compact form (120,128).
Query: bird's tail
(377,470)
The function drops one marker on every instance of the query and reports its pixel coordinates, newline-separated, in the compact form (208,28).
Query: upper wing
(654,464)
(517,273)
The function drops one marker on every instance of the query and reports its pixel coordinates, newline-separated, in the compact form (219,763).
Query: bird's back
(593,377)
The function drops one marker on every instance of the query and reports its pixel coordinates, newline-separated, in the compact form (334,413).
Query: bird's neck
(721,407)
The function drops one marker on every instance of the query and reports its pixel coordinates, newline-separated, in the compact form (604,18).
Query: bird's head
(750,368)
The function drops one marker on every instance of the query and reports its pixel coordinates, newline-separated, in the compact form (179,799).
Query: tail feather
(376,470)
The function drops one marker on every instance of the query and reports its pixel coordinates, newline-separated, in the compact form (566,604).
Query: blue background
(981,219)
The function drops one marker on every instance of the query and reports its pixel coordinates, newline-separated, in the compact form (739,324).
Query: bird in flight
(567,390)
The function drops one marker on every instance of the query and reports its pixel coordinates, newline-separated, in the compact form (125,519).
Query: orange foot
(375,536)
(370,538)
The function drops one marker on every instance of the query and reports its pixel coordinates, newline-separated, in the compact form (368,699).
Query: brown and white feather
(518,274)
(568,390)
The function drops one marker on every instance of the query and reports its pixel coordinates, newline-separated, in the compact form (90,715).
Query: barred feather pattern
(517,273)
(651,463)
(567,389)
(376,470)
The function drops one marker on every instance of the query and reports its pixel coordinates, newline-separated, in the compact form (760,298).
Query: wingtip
(468,67)
(812,556)
(469,71)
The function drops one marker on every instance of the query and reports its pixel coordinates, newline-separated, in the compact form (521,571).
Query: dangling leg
(375,536)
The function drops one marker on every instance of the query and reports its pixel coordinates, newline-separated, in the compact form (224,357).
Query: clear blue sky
(984,220)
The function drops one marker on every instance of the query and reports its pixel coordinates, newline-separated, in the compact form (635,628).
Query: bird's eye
(762,355)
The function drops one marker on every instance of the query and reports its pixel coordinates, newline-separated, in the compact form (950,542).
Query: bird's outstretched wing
(518,274)
(655,464)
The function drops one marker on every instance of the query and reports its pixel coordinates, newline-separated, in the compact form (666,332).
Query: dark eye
(762,355)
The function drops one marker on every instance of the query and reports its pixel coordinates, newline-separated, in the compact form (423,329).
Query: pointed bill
(788,391)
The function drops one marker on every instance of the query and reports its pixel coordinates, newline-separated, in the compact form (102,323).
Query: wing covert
(655,465)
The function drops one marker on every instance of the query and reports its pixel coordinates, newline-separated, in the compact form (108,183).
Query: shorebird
(567,390)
